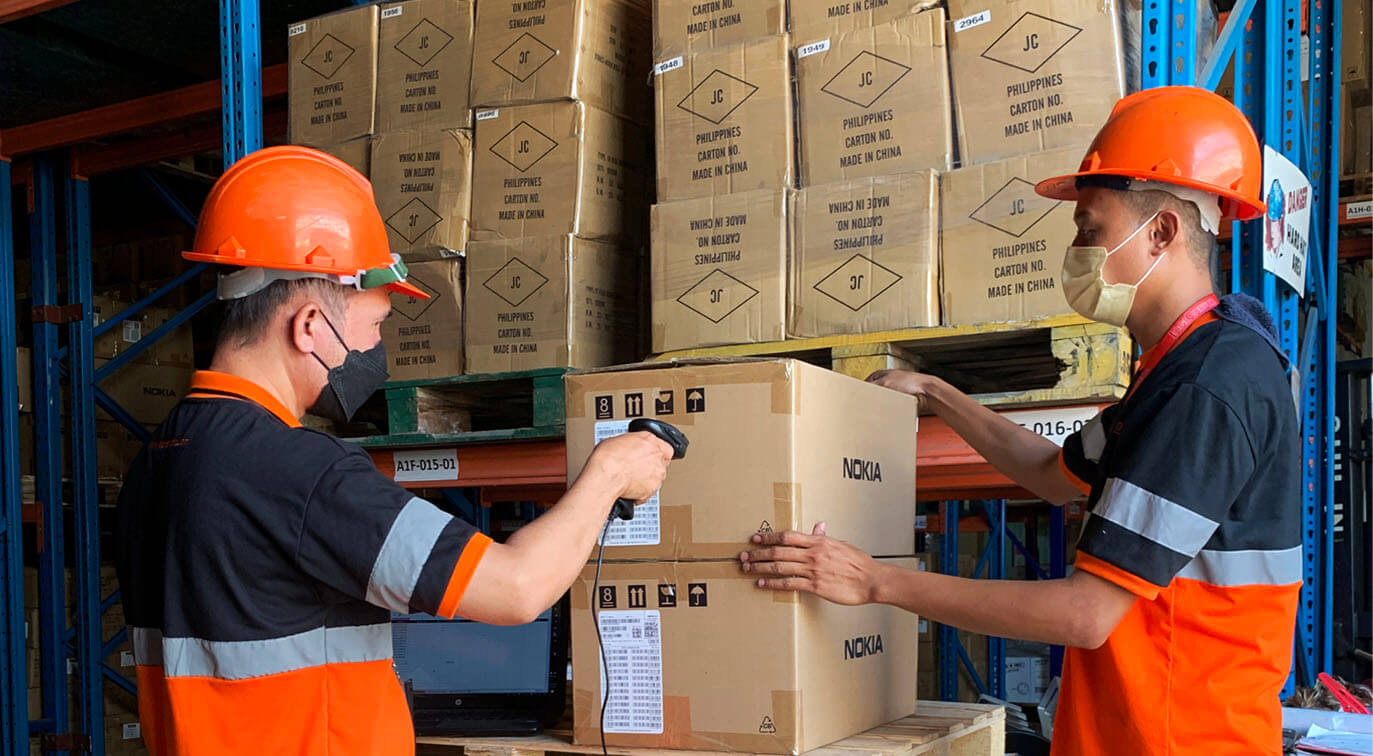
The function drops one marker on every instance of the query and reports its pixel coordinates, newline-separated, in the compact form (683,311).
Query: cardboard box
(552,301)
(799,672)
(865,256)
(558,168)
(332,76)
(1032,75)
(819,20)
(423,337)
(822,447)
(116,447)
(177,348)
(423,185)
(23,360)
(719,270)
(681,27)
(595,51)
(1356,51)
(354,152)
(875,101)
(147,392)
(1002,244)
(424,65)
(725,122)
(1356,131)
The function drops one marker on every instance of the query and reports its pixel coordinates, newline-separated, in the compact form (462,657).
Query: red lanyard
(1170,339)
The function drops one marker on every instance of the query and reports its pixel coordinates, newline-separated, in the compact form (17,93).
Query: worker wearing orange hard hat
(1179,612)
(260,560)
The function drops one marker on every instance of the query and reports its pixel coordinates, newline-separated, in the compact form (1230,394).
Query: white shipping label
(968,22)
(805,51)
(922,522)
(296,29)
(644,529)
(1053,424)
(133,330)
(126,658)
(133,731)
(668,65)
(426,464)
(392,12)
(633,646)
(486,115)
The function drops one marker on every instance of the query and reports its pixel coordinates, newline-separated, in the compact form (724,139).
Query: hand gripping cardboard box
(423,337)
(558,168)
(1032,75)
(814,20)
(775,445)
(699,658)
(725,121)
(551,301)
(423,186)
(1002,244)
(719,268)
(875,101)
(332,77)
(684,26)
(424,65)
(865,256)
(595,51)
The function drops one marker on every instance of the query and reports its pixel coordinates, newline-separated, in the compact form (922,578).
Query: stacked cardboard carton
(677,615)
(560,191)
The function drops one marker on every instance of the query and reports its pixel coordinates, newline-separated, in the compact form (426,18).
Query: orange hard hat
(1176,135)
(294,212)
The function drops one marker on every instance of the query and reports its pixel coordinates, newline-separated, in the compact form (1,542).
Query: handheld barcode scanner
(624,508)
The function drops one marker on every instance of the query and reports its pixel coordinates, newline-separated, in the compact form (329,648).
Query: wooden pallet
(1059,360)
(472,408)
(937,729)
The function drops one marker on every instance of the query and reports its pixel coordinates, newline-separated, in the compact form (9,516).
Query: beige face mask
(1089,294)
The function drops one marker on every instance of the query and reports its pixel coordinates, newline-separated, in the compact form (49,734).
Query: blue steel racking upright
(1262,39)
(241,80)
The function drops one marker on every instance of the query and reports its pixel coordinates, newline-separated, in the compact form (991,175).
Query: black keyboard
(475,722)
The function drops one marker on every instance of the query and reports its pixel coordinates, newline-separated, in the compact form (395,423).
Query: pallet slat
(473,409)
(937,729)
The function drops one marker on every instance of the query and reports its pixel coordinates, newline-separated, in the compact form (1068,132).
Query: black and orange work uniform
(1194,506)
(260,562)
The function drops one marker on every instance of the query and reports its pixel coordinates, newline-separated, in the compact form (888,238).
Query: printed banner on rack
(1287,225)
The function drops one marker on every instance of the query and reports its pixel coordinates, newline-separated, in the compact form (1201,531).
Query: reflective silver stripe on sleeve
(1164,522)
(239,660)
(403,554)
(1250,567)
(1093,439)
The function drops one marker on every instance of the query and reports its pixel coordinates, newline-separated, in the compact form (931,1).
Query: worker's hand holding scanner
(633,465)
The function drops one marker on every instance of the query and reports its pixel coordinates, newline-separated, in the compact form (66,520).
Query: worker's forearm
(1045,611)
(553,548)
(1021,454)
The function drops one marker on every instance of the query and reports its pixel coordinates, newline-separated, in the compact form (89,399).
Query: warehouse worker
(1180,610)
(261,560)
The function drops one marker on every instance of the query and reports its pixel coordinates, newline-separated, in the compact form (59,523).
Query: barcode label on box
(644,529)
(133,731)
(133,331)
(668,65)
(296,29)
(924,627)
(922,522)
(486,115)
(968,22)
(126,658)
(633,645)
(805,51)
(392,12)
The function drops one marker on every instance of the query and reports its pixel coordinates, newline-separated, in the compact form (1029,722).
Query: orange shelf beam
(11,10)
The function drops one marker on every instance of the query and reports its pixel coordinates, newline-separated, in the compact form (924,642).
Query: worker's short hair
(243,321)
(1201,244)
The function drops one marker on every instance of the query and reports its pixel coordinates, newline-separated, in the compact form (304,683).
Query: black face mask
(351,383)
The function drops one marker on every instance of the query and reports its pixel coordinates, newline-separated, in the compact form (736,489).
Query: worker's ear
(307,327)
(1165,232)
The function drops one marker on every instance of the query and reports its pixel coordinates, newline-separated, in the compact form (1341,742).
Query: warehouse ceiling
(99,52)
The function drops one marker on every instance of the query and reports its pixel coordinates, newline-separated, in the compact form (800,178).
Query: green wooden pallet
(513,406)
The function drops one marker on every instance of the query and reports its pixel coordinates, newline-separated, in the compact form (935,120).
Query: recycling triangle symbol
(766,527)
(767,727)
